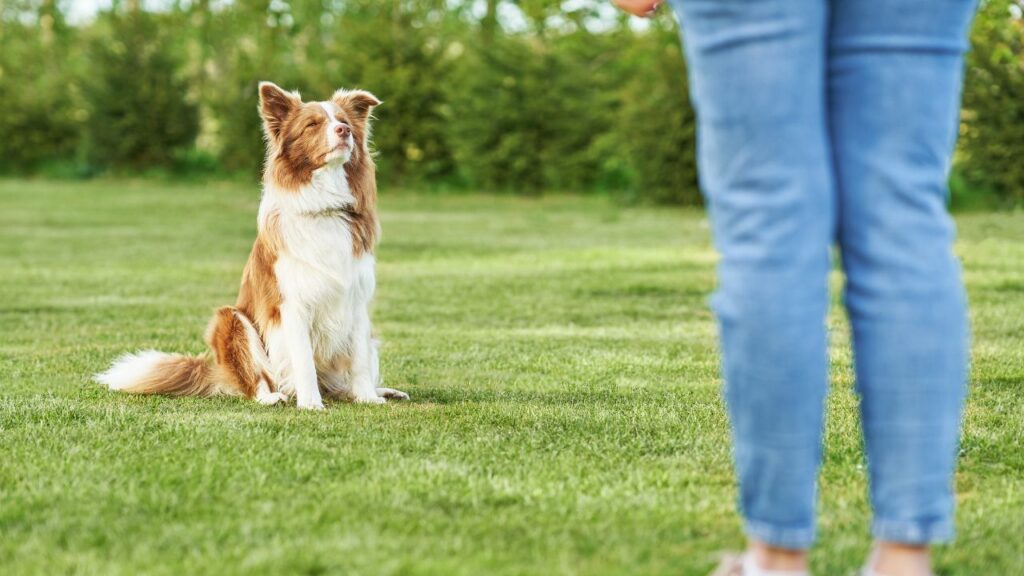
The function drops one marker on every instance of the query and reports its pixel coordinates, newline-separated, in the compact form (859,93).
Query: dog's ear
(358,103)
(275,106)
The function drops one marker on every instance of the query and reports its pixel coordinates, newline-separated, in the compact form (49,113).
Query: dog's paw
(271,398)
(318,405)
(370,400)
(392,394)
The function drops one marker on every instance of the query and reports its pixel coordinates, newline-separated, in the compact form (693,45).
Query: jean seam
(782,537)
(913,532)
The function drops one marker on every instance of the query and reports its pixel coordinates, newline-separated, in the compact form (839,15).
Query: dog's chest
(326,282)
(321,272)
(341,311)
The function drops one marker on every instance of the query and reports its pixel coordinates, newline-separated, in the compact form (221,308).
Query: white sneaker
(750,568)
(733,565)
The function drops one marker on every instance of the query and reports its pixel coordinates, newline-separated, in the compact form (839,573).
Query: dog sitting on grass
(301,325)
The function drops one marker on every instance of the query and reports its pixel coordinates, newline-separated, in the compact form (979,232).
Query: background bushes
(41,113)
(139,109)
(991,154)
(521,96)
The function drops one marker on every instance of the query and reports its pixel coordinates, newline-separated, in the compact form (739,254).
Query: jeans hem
(914,533)
(788,538)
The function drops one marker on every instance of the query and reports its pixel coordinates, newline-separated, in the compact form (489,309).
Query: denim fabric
(826,123)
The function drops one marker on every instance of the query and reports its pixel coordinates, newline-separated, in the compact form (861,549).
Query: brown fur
(179,375)
(363,223)
(259,298)
(360,169)
(228,369)
(341,364)
(300,148)
(296,147)
(229,340)
(334,382)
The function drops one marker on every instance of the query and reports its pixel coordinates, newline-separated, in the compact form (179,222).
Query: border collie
(301,324)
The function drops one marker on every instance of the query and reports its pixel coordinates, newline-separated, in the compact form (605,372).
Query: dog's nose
(342,130)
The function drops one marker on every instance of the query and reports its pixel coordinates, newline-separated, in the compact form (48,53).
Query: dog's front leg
(366,378)
(364,388)
(378,379)
(295,330)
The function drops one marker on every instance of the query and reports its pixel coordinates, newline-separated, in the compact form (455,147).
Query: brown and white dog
(301,325)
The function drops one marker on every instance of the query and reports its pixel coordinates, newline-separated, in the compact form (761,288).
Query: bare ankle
(773,558)
(895,559)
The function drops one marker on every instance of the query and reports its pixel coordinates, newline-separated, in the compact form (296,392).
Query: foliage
(992,128)
(41,119)
(663,131)
(139,113)
(513,95)
(504,110)
(565,414)
(400,51)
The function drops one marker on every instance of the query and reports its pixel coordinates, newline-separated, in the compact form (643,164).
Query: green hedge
(991,152)
(543,100)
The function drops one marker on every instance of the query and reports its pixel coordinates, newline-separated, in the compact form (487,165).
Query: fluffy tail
(152,372)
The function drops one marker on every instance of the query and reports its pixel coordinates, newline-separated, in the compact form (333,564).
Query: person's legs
(757,73)
(893,90)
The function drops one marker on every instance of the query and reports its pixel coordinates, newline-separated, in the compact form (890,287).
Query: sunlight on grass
(565,414)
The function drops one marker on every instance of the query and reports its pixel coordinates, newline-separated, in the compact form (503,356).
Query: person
(826,122)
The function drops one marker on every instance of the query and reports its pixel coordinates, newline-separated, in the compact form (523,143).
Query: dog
(301,325)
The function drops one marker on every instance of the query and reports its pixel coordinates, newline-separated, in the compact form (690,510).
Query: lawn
(565,415)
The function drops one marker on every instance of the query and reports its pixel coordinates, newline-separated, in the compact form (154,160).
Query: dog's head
(303,137)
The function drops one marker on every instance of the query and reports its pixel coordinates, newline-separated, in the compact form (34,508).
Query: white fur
(129,369)
(326,291)
(259,356)
(333,140)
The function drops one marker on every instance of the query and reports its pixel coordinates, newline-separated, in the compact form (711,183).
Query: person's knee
(913,277)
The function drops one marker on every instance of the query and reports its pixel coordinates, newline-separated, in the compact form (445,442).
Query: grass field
(565,415)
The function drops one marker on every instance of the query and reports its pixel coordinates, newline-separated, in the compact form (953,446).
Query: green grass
(566,416)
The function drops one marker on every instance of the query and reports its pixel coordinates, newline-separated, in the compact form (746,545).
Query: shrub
(661,121)
(139,114)
(41,116)
(991,153)
(500,114)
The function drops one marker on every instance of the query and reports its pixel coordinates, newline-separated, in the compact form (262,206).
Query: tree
(661,121)
(39,92)
(140,114)
(992,129)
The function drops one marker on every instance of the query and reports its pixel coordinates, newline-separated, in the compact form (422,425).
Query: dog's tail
(152,372)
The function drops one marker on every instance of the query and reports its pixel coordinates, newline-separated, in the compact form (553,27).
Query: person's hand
(641,8)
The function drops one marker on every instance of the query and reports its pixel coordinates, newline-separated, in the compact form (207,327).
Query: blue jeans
(819,123)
